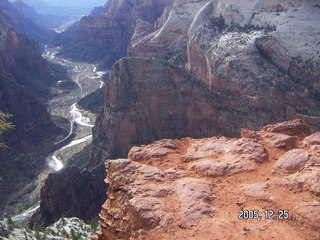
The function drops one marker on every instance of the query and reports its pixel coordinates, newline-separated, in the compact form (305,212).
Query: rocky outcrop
(70,193)
(195,188)
(23,24)
(168,37)
(64,229)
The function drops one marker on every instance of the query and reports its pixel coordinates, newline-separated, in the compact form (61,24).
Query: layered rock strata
(237,49)
(107,33)
(149,99)
(168,37)
(247,58)
(198,188)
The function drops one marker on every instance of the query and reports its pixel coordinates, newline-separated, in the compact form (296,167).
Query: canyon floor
(197,188)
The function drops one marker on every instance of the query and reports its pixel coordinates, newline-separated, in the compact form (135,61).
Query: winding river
(87,79)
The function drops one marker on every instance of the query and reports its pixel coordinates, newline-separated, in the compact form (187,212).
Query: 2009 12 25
(268,214)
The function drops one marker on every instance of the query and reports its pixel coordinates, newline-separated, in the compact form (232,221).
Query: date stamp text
(266,214)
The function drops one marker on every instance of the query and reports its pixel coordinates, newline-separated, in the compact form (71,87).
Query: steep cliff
(21,58)
(151,99)
(70,193)
(209,188)
(257,65)
(168,36)
(105,37)
(23,24)
(235,49)
(28,142)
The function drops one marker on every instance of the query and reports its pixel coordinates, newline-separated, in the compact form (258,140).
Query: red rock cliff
(112,31)
(250,70)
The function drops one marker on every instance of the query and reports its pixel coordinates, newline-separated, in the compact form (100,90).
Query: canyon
(188,128)
(250,65)
(205,69)
(25,79)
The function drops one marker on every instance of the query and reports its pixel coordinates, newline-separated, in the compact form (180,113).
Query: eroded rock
(291,162)
(166,197)
(257,191)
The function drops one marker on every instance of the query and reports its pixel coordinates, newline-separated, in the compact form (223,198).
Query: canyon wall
(257,65)
(232,48)
(22,58)
(23,24)
(106,34)
(70,193)
(23,74)
(200,188)
(148,99)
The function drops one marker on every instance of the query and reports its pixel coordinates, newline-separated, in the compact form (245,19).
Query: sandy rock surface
(201,189)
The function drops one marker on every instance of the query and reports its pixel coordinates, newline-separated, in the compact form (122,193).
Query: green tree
(4,125)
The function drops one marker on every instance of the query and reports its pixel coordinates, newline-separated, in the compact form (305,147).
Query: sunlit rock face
(168,37)
(148,99)
(195,188)
(258,60)
(236,45)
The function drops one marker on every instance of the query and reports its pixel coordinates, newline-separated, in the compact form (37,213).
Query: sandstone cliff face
(168,37)
(150,99)
(239,49)
(110,30)
(195,188)
(248,59)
